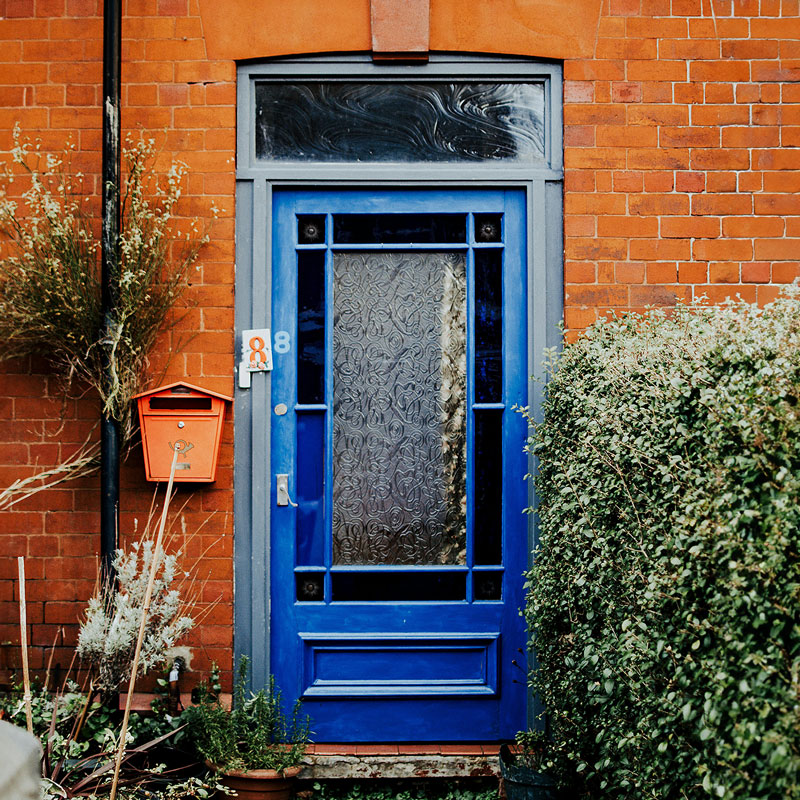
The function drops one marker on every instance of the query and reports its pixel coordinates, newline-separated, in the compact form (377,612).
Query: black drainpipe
(109,428)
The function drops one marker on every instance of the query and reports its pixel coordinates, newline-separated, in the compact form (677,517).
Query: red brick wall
(50,82)
(681,137)
(681,159)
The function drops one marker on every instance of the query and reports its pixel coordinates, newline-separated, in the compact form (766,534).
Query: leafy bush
(255,734)
(664,595)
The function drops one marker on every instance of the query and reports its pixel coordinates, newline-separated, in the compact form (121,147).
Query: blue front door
(399,331)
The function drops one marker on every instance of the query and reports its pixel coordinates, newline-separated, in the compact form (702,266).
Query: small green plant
(532,749)
(255,734)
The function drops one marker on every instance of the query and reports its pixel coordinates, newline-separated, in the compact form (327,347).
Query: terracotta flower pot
(261,784)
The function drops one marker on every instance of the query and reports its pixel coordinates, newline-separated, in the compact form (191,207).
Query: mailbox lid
(181,398)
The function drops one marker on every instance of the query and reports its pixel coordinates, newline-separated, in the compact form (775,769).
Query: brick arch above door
(250,29)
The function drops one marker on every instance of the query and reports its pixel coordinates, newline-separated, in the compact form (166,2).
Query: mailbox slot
(180,404)
(184,415)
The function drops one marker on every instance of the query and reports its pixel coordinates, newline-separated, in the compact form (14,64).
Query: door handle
(282,491)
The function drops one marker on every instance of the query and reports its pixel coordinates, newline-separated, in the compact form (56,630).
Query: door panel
(397,578)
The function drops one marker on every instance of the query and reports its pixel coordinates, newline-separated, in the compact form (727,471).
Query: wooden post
(23,641)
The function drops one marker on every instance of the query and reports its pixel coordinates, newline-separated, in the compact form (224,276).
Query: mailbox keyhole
(181,424)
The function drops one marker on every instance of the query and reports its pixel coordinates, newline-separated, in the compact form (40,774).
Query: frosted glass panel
(399,408)
(390,121)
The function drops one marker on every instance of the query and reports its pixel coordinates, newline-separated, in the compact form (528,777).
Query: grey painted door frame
(255,182)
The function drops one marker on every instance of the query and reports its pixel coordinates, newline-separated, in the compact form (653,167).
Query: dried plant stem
(145,607)
(23,640)
(83,462)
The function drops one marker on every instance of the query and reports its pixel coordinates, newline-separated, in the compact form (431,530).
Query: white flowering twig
(50,283)
(108,635)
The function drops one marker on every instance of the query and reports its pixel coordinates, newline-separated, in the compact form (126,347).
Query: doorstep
(325,761)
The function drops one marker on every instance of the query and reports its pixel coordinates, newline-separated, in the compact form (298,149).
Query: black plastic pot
(523,783)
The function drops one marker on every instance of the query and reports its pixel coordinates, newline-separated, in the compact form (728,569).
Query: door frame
(255,181)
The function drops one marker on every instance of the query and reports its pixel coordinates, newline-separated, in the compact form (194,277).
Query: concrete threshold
(412,761)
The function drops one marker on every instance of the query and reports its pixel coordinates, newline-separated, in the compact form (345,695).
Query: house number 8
(282,341)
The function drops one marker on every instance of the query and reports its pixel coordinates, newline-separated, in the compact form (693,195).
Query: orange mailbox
(183,416)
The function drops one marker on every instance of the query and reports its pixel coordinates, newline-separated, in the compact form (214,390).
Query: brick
(594,249)
(628,181)
(692,272)
(627,226)
(777,249)
(626,92)
(658,295)
(660,249)
(595,114)
(595,157)
(690,181)
(622,136)
(719,93)
(658,158)
(643,49)
(614,296)
(720,115)
(662,273)
(629,272)
(578,92)
(689,93)
(609,70)
(722,204)
(694,227)
(721,181)
(716,158)
(580,272)
(689,49)
(592,203)
(657,114)
(579,136)
(748,50)
(783,272)
(776,204)
(722,250)
(789,135)
(658,204)
(756,272)
(657,28)
(689,137)
(752,227)
(657,70)
(723,273)
(657,92)
(775,29)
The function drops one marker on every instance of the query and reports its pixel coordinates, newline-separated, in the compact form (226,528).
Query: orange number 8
(257,355)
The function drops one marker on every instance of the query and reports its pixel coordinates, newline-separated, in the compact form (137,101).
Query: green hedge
(664,595)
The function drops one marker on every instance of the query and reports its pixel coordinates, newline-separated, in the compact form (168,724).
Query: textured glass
(399,424)
(392,121)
